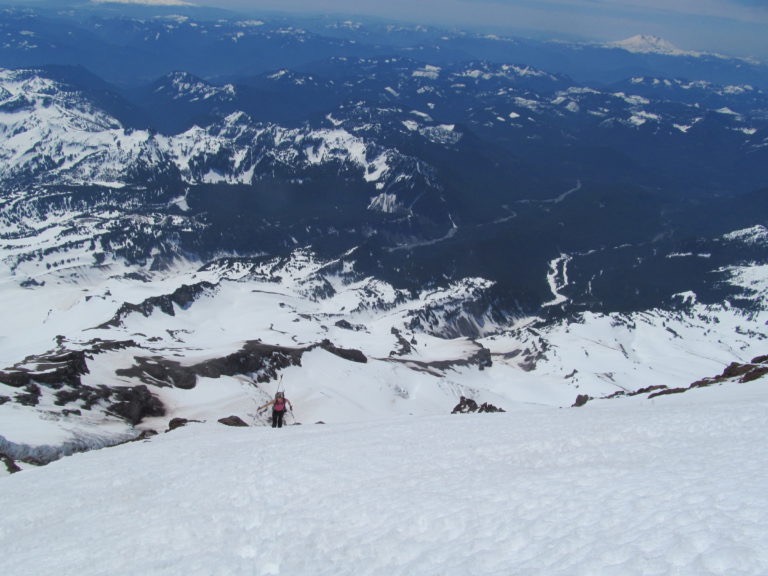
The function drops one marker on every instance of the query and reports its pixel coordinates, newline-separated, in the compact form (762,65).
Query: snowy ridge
(754,235)
(186,86)
(49,135)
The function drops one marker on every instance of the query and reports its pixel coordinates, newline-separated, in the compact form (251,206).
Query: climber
(278,409)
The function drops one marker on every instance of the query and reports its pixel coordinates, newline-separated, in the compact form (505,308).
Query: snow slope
(408,370)
(672,486)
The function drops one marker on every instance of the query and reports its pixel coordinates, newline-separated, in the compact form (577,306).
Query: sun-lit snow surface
(672,486)
(645,44)
(276,302)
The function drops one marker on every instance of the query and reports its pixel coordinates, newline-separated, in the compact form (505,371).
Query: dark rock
(581,399)
(667,391)
(648,389)
(347,353)
(32,397)
(52,370)
(99,346)
(135,403)
(489,408)
(10,464)
(88,395)
(15,379)
(157,370)
(67,412)
(256,358)
(30,283)
(183,297)
(404,347)
(4,399)
(178,423)
(735,369)
(233,421)
(344,324)
(482,358)
(704,382)
(754,374)
(760,360)
(465,406)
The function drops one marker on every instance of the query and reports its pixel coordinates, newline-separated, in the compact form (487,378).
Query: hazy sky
(738,27)
(728,26)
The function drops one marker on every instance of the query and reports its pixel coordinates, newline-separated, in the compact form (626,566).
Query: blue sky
(734,27)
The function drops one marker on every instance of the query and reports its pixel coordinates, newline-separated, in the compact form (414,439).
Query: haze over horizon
(730,27)
(733,27)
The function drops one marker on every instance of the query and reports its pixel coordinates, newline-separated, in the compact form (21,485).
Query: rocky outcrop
(159,371)
(480,358)
(467,406)
(581,399)
(347,325)
(136,403)
(403,346)
(233,421)
(10,464)
(179,423)
(262,361)
(734,372)
(87,396)
(182,297)
(53,370)
(346,353)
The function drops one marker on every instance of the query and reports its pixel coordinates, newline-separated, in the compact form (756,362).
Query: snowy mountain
(379,234)
(645,44)
(50,135)
(503,284)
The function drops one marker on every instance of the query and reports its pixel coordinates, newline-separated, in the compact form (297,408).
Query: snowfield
(112,331)
(407,371)
(676,485)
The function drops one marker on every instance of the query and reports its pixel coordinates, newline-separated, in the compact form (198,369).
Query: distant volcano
(645,44)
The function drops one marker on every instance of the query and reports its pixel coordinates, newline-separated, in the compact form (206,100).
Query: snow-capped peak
(185,85)
(645,44)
